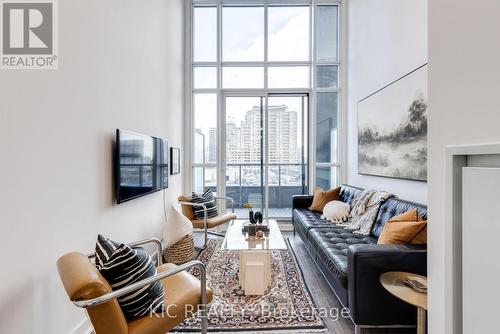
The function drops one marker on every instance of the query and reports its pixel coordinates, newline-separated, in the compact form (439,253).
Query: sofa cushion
(305,219)
(331,245)
(393,207)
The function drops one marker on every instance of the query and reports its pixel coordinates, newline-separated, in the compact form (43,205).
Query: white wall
(386,40)
(120,66)
(463,98)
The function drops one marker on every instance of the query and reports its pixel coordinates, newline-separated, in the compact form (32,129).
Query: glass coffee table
(255,255)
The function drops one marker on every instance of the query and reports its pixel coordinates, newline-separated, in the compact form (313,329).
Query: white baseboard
(84,327)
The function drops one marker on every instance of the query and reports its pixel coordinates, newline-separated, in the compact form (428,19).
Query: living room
(272,166)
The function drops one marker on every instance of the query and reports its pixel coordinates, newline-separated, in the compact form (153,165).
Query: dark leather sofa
(352,264)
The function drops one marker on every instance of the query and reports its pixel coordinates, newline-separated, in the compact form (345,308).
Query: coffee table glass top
(239,241)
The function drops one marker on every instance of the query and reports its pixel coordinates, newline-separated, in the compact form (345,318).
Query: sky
(243,40)
(243,33)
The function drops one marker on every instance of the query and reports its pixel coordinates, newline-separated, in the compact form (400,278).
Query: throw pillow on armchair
(208,199)
(122,265)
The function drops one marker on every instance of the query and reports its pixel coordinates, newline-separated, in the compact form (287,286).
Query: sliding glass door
(244,151)
(265,151)
(287,117)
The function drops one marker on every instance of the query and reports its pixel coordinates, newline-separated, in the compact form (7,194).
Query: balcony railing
(244,185)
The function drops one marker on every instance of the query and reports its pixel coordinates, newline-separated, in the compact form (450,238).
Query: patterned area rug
(286,307)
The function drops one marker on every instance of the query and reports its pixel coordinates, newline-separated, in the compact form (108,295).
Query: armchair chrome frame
(205,216)
(150,280)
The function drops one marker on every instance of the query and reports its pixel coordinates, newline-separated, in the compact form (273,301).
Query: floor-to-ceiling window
(265,96)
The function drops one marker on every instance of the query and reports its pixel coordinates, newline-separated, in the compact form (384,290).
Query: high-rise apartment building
(243,143)
(212,145)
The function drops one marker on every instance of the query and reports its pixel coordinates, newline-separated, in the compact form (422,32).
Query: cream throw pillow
(336,211)
(176,228)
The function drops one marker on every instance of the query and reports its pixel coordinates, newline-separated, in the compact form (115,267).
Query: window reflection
(143,165)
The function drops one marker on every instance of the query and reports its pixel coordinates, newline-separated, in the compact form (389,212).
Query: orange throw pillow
(421,237)
(321,197)
(408,216)
(406,228)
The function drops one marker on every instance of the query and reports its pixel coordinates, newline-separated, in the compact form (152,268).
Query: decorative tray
(256,238)
(259,227)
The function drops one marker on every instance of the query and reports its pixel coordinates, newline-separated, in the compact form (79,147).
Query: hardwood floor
(321,293)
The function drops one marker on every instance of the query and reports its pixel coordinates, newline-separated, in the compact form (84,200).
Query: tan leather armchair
(206,223)
(88,289)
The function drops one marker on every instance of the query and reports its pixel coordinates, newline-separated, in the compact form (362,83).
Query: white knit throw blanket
(359,205)
(367,219)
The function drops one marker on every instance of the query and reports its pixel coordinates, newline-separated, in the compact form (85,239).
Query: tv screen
(142,165)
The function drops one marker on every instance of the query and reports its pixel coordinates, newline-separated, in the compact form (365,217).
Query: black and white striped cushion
(123,265)
(208,199)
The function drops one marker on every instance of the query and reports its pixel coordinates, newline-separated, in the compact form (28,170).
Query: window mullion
(205,64)
(266,45)
(312,115)
(221,152)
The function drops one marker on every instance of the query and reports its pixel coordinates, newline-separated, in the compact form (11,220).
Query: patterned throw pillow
(122,265)
(208,199)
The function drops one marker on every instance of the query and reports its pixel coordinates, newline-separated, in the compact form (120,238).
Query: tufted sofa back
(393,207)
(390,208)
(347,193)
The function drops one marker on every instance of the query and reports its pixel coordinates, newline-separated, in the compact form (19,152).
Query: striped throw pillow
(123,265)
(208,199)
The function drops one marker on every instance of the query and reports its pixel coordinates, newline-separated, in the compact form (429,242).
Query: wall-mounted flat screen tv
(141,165)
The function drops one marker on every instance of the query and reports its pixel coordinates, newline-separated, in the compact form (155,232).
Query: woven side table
(180,252)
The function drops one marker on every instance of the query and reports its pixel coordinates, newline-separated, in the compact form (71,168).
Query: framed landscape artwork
(175,160)
(392,129)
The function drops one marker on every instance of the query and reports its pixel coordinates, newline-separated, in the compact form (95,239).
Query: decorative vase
(258,217)
(251,217)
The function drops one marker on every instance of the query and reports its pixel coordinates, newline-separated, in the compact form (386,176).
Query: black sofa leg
(294,231)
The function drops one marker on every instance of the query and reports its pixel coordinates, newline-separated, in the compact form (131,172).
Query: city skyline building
(243,148)
(243,141)
(212,145)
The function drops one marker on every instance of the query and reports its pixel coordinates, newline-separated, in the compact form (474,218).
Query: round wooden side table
(393,281)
